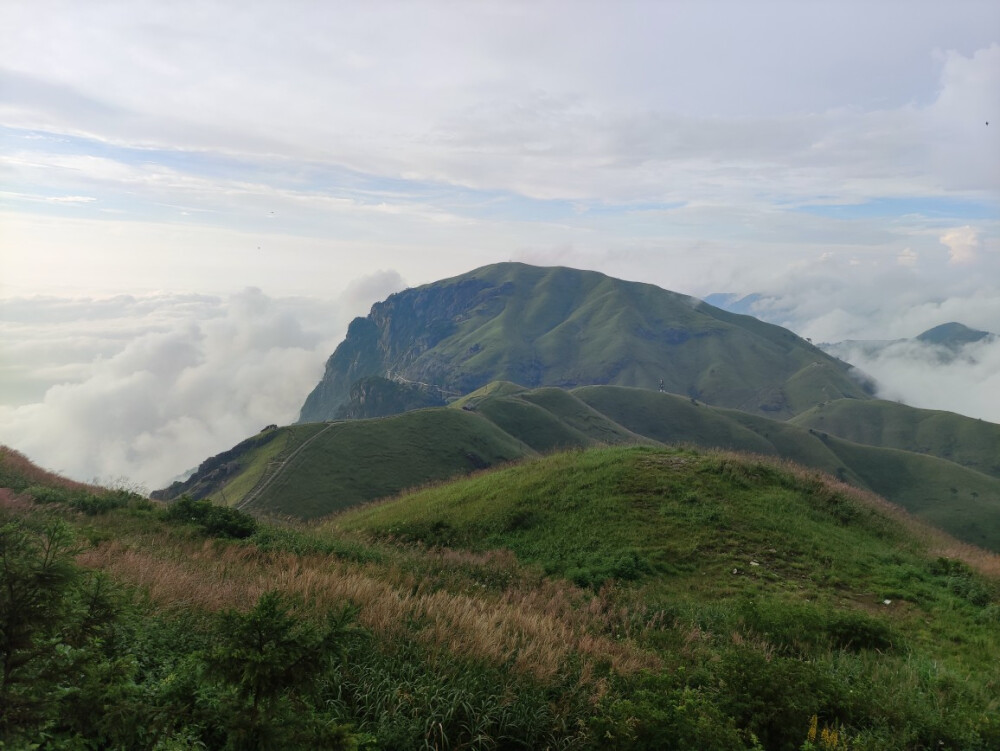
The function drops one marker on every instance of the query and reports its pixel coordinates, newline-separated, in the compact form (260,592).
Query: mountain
(373,396)
(563,327)
(311,470)
(534,360)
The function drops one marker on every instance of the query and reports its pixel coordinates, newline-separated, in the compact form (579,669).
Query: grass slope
(579,415)
(964,440)
(957,499)
(654,599)
(960,501)
(669,418)
(804,569)
(548,419)
(357,461)
(258,463)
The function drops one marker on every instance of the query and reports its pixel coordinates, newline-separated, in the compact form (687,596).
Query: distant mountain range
(946,341)
(949,337)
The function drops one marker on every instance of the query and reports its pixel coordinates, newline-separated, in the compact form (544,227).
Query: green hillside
(821,587)
(617,598)
(961,501)
(964,440)
(228,476)
(352,462)
(669,418)
(547,419)
(564,327)
(337,465)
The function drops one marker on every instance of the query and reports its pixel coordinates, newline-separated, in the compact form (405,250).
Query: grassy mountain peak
(564,327)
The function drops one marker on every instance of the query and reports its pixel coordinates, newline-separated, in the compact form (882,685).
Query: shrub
(46,494)
(659,715)
(218,521)
(64,669)
(856,631)
(772,698)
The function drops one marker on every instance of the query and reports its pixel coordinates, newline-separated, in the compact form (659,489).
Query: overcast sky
(833,155)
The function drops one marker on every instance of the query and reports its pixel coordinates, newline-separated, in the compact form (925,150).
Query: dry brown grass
(10,501)
(536,631)
(17,463)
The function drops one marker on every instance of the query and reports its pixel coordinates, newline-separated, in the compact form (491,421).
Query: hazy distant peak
(952,334)
(734,302)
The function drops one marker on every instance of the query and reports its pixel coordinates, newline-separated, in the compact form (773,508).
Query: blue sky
(945,208)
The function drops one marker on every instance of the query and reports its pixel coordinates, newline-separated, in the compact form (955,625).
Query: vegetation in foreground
(616,598)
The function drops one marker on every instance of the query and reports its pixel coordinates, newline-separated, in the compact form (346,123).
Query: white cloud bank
(148,387)
(832,301)
(924,375)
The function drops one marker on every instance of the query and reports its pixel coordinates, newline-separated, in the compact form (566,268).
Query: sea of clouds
(141,389)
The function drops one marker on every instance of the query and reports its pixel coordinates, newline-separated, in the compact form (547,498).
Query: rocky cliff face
(393,337)
(373,396)
(562,327)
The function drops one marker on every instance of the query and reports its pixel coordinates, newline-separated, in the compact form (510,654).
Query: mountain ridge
(357,461)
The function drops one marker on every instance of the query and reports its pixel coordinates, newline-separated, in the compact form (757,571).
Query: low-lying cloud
(932,377)
(844,304)
(145,388)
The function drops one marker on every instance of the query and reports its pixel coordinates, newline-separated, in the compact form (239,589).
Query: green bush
(218,521)
(65,670)
(659,715)
(46,494)
(856,631)
(773,697)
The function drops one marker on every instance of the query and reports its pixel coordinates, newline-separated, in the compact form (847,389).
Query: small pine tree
(268,661)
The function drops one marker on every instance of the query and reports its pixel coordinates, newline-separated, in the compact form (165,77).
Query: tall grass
(535,631)
(17,472)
